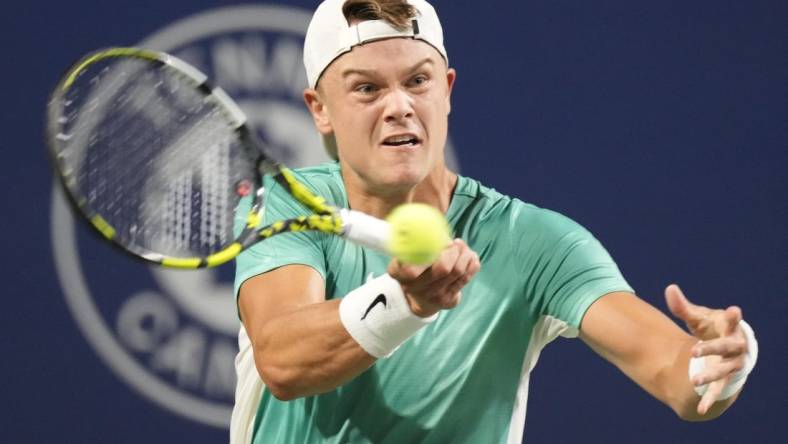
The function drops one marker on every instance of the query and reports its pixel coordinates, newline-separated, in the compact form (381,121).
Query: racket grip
(365,230)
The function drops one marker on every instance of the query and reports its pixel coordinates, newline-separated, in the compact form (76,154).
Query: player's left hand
(721,342)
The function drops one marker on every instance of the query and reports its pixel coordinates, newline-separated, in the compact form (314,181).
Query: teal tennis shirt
(464,377)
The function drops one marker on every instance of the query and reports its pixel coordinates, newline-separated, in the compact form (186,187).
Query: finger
(463,262)
(446,285)
(464,269)
(457,285)
(449,299)
(719,371)
(444,265)
(475,265)
(454,290)
(680,306)
(452,300)
(422,275)
(732,318)
(727,347)
(699,319)
(711,396)
(403,272)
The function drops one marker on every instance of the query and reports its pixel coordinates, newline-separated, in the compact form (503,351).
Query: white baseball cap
(329,35)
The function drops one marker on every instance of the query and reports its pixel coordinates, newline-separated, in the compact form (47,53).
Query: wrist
(419,309)
(378,316)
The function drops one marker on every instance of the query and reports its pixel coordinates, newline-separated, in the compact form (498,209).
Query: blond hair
(397,12)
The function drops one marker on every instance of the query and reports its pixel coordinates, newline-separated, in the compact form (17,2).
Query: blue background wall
(660,126)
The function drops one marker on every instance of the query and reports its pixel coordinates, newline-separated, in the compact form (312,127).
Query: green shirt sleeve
(284,249)
(566,268)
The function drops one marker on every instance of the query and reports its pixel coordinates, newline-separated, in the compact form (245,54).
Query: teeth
(399,139)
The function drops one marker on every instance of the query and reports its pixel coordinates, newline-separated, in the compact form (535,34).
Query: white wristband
(697,365)
(378,317)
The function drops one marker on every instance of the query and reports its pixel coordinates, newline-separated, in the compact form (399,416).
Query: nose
(399,106)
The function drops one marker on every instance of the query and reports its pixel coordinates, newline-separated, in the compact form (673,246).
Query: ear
(317,107)
(451,76)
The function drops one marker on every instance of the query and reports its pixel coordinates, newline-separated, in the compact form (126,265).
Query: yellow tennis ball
(419,233)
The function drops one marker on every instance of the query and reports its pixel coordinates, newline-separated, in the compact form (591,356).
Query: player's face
(387,103)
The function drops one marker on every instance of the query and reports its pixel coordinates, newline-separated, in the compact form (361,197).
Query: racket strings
(153,156)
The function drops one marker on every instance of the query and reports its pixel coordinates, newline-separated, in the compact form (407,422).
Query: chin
(403,178)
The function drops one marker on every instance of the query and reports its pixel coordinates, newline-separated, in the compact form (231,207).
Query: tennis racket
(157,160)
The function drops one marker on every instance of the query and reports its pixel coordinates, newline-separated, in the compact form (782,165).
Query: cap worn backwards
(329,35)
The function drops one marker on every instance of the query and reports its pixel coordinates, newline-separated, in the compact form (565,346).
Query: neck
(435,190)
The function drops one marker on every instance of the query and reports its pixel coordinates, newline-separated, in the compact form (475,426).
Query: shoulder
(490,209)
(324,171)
(325,175)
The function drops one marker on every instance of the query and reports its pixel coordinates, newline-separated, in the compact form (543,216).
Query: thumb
(678,303)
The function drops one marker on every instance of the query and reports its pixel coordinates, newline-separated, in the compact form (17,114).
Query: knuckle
(441,298)
(410,274)
(448,291)
(734,347)
(405,274)
(440,269)
(451,299)
(454,287)
(453,248)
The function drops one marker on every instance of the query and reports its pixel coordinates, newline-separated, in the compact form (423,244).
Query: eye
(365,88)
(419,80)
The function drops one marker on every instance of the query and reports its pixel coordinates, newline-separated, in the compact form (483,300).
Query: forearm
(307,351)
(304,345)
(650,349)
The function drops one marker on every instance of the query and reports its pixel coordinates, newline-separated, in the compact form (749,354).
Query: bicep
(284,289)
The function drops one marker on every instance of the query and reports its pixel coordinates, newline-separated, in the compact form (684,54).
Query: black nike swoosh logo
(378,300)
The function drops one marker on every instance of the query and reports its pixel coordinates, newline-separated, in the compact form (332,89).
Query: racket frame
(355,226)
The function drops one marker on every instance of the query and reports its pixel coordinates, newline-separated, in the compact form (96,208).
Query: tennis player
(355,347)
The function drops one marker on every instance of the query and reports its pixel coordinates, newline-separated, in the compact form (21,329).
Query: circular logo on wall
(172,335)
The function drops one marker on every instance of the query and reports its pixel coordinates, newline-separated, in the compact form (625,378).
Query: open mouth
(406,140)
